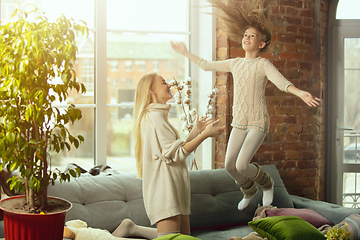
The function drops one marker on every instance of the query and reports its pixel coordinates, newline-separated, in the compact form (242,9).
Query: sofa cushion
(308,215)
(215,196)
(353,224)
(103,201)
(333,212)
(286,227)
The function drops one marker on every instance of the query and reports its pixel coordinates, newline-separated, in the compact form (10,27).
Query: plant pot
(27,226)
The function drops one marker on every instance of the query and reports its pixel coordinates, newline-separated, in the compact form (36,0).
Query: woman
(160,158)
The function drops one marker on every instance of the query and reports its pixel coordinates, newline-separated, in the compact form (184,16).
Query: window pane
(134,55)
(145,15)
(351,99)
(84,65)
(348,9)
(352,53)
(84,155)
(84,68)
(351,190)
(54,8)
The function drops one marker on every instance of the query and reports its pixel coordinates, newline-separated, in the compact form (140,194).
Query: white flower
(184,127)
(173,83)
(177,95)
(178,101)
(187,101)
(187,81)
(182,117)
(180,86)
(215,90)
(188,92)
(211,95)
(209,110)
(193,112)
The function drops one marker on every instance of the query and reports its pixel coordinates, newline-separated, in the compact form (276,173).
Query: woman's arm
(199,126)
(211,130)
(309,99)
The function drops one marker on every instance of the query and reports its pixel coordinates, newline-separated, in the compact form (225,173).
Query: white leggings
(242,146)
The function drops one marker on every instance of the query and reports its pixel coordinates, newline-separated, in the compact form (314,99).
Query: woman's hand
(210,129)
(309,99)
(200,125)
(213,129)
(179,47)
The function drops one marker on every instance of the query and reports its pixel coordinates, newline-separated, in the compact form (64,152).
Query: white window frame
(202,27)
(334,187)
(203,44)
(202,32)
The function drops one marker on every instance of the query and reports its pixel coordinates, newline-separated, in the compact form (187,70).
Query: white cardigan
(166,183)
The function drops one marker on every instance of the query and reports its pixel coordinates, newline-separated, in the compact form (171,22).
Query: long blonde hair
(141,102)
(235,17)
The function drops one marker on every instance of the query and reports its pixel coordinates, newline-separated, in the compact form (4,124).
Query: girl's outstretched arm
(180,47)
(309,99)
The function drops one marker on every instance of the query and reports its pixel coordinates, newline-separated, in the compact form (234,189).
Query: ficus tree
(34,52)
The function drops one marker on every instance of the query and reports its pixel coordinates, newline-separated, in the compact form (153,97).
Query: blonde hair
(236,17)
(141,102)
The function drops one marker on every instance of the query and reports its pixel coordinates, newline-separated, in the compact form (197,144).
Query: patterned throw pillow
(308,215)
(353,225)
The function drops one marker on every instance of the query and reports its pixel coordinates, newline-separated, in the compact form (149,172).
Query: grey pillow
(215,196)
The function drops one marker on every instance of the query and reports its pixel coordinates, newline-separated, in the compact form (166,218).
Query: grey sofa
(104,201)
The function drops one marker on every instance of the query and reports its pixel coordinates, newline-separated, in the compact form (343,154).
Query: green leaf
(73,173)
(81,138)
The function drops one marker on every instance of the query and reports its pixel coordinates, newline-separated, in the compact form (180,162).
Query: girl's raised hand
(309,99)
(179,47)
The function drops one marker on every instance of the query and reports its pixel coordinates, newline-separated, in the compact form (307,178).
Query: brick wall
(296,141)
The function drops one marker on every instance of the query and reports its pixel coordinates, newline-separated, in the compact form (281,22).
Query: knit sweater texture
(166,183)
(250,79)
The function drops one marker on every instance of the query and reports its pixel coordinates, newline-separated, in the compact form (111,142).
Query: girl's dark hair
(237,16)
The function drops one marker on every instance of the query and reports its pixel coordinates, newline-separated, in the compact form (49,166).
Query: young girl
(250,117)
(160,156)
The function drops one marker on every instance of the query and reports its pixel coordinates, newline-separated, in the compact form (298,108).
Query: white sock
(128,228)
(268,197)
(244,203)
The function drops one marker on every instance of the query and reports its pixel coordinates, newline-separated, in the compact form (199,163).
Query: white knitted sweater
(249,105)
(166,183)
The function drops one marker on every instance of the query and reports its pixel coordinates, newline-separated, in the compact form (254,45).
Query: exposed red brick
(297,136)
(286,55)
(293,3)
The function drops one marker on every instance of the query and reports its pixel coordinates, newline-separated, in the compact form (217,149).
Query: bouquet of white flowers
(183,98)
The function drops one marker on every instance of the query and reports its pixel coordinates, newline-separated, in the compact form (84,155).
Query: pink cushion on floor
(308,215)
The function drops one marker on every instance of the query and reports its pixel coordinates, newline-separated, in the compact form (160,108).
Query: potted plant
(33,53)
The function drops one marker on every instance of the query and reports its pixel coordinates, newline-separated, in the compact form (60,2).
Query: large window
(127,39)
(344,124)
